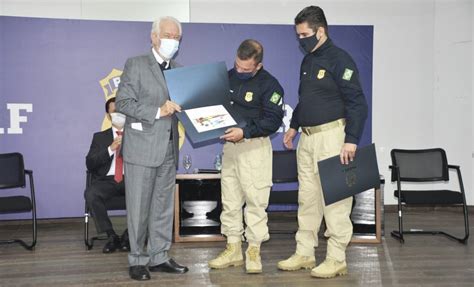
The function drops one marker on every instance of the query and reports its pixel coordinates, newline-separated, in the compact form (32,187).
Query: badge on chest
(321,74)
(248,96)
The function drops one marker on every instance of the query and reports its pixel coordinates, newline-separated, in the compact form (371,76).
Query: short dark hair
(250,49)
(314,16)
(107,104)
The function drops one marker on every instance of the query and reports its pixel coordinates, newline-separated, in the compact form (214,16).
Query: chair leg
(399,234)
(33,215)
(34,235)
(89,244)
(34,230)
(466,224)
(466,228)
(433,232)
(33,218)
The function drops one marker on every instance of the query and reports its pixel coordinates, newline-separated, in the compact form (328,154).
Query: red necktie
(118,163)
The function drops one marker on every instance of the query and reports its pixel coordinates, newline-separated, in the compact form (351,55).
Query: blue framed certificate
(202,91)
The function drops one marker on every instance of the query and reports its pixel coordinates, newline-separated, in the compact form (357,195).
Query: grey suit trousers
(150,209)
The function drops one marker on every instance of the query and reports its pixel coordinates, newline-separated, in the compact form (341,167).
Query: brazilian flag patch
(347,74)
(275,98)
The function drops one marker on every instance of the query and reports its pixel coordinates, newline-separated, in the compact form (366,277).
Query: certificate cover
(202,91)
(340,181)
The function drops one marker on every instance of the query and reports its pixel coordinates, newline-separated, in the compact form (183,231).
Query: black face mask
(244,76)
(308,43)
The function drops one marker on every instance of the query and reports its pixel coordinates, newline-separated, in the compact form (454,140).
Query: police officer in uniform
(331,113)
(247,158)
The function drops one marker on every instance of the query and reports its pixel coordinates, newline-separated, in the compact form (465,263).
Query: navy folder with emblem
(201,86)
(340,181)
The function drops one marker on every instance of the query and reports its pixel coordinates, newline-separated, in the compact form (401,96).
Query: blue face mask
(244,76)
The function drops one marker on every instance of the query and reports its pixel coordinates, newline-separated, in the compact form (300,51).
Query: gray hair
(156,25)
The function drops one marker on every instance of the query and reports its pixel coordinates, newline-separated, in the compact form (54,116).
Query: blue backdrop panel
(56,67)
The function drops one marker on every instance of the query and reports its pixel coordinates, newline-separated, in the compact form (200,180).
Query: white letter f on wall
(16,119)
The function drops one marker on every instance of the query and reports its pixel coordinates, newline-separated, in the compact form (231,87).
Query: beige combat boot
(253,261)
(231,256)
(296,262)
(330,268)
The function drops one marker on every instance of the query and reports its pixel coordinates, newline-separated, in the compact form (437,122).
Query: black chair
(115,203)
(285,170)
(12,175)
(428,165)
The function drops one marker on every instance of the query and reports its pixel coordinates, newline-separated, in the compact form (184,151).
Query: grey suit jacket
(141,92)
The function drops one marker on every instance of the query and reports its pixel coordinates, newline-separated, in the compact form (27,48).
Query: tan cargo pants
(246,178)
(311,149)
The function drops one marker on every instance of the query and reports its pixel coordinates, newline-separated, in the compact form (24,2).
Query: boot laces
(229,249)
(253,253)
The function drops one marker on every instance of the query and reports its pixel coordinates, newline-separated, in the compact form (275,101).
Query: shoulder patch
(347,74)
(275,98)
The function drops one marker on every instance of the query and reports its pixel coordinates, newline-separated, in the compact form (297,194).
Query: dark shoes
(124,242)
(169,266)
(139,272)
(113,243)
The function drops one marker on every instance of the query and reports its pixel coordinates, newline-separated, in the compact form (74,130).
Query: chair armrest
(396,176)
(29,172)
(458,171)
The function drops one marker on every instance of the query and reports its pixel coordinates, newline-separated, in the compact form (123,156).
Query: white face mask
(168,48)
(118,119)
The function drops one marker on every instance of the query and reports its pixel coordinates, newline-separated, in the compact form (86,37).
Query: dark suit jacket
(98,160)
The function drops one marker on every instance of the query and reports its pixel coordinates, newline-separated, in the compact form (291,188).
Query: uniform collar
(323,48)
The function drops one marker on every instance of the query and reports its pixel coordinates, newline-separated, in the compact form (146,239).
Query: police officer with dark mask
(247,158)
(331,113)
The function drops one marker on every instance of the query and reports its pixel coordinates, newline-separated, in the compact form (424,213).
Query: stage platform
(60,258)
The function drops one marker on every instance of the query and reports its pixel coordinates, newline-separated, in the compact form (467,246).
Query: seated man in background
(105,163)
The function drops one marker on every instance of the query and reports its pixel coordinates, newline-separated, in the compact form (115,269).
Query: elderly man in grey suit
(150,152)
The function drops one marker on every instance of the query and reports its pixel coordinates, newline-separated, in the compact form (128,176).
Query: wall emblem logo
(109,86)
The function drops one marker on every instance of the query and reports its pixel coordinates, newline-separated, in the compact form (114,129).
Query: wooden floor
(60,259)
